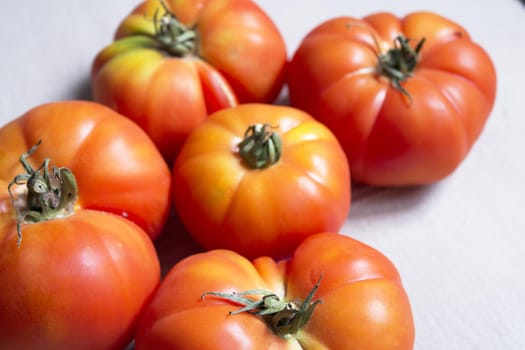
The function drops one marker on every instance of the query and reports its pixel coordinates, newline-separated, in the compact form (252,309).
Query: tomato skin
(390,139)
(363,304)
(117,167)
(240,57)
(79,282)
(223,203)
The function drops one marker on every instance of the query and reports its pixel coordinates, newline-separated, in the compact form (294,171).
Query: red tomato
(75,267)
(117,167)
(171,65)
(406,97)
(258,179)
(334,293)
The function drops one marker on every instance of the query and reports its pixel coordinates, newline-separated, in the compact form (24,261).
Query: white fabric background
(459,244)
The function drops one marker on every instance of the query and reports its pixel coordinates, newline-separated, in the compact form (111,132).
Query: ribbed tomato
(407,97)
(174,62)
(334,293)
(258,179)
(82,192)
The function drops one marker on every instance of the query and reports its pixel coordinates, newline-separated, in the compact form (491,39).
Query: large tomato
(334,293)
(117,167)
(259,178)
(76,264)
(174,62)
(407,97)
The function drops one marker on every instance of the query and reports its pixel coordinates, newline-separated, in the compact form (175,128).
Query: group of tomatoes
(183,118)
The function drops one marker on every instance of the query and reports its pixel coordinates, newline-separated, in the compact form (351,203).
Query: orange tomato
(334,293)
(77,214)
(406,97)
(258,179)
(175,62)
(117,167)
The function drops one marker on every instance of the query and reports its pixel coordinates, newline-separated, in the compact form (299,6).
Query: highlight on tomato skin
(172,63)
(407,97)
(333,292)
(258,179)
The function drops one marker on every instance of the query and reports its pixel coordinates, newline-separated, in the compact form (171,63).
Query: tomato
(406,97)
(117,167)
(334,293)
(76,267)
(258,179)
(174,62)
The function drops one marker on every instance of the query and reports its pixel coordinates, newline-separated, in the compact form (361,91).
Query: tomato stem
(48,194)
(261,147)
(173,36)
(284,318)
(398,63)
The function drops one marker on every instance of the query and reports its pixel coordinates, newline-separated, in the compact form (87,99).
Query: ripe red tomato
(117,167)
(175,62)
(76,267)
(334,293)
(259,178)
(406,97)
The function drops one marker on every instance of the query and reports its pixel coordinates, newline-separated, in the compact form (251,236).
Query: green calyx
(285,319)
(398,63)
(48,194)
(261,146)
(172,36)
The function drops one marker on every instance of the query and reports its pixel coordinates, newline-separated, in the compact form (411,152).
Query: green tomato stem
(285,319)
(48,194)
(173,36)
(398,63)
(261,147)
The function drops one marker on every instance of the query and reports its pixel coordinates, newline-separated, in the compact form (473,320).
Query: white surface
(459,245)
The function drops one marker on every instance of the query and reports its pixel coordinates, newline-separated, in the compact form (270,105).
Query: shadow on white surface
(81,89)
(369,202)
